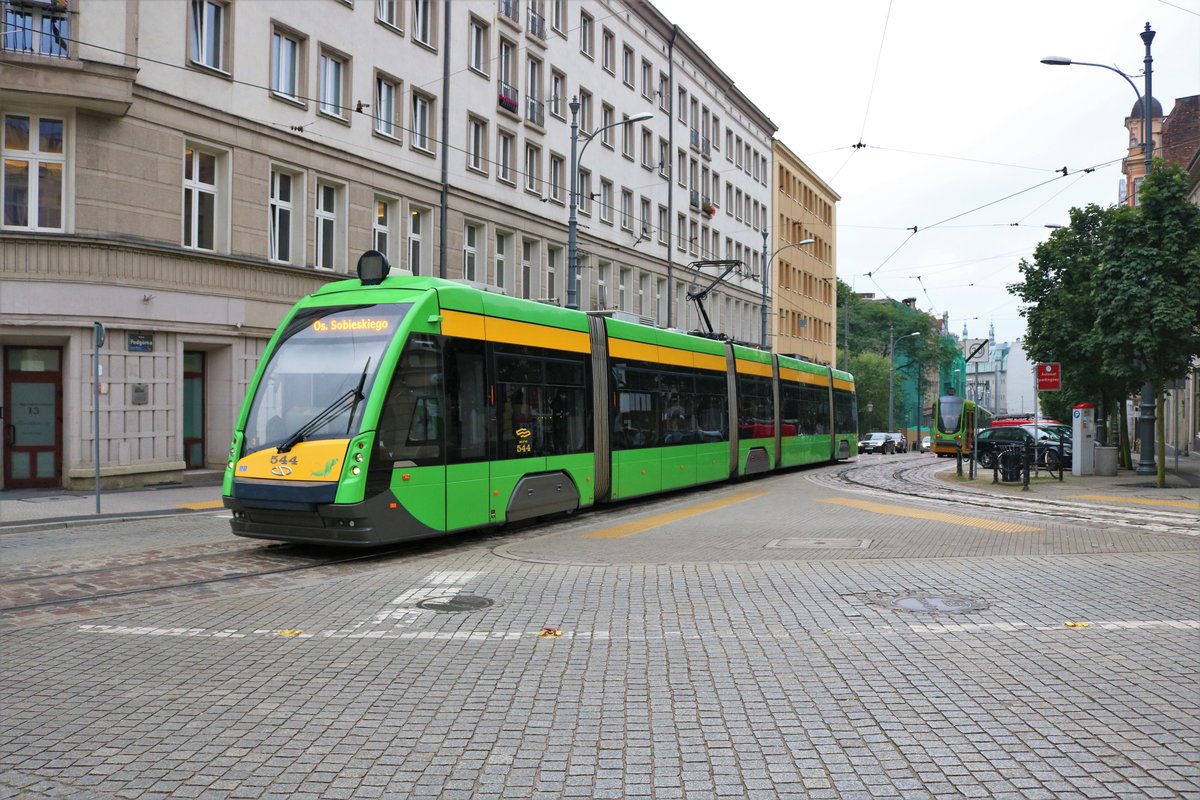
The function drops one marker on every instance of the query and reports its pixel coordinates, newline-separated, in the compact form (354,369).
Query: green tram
(955,421)
(397,408)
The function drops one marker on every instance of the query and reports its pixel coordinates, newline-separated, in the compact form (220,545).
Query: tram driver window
(411,423)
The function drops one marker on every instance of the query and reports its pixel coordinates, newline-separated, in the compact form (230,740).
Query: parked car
(991,441)
(877,443)
(925,444)
(900,441)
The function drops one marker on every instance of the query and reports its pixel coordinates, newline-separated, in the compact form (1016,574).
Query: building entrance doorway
(32,418)
(193,409)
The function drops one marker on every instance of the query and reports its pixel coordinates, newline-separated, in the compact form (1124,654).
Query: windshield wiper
(349,400)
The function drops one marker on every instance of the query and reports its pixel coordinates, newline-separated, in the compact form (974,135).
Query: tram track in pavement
(919,482)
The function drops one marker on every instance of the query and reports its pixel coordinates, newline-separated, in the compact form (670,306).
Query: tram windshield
(950,410)
(319,374)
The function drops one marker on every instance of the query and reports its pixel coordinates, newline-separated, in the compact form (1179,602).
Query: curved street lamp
(573,221)
(1146,418)
(766,271)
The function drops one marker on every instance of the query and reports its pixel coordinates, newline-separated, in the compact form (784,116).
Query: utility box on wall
(1083,439)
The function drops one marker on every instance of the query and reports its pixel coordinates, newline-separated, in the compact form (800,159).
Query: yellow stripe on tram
(934,516)
(658,520)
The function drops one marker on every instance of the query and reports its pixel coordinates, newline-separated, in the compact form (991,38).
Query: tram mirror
(373,267)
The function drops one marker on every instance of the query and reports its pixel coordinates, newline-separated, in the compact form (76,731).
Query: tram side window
(412,421)
(816,405)
(541,402)
(678,420)
(466,401)
(790,422)
(845,411)
(634,420)
(712,407)
(756,407)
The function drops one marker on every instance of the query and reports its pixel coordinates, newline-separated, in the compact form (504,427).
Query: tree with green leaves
(1147,309)
(1059,292)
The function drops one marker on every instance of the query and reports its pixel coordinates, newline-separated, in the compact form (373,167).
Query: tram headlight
(355,470)
(358,457)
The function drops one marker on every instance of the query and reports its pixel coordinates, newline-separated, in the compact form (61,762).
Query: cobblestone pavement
(777,638)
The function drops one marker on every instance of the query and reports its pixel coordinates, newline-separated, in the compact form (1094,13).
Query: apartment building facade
(180,171)
(803,277)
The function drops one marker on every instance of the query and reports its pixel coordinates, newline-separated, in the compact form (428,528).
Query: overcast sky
(956,112)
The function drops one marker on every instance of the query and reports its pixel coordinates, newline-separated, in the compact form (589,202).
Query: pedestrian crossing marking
(1146,501)
(935,516)
(658,520)
(201,506)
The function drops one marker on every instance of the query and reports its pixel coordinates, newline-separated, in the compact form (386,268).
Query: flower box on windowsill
(508,103)
(709,209)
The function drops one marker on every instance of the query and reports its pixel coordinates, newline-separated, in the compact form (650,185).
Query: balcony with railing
(537,24)
(694,198)
(35,37)
(509,98)
(705,147)
(535,111)
(695,139)
(511,10)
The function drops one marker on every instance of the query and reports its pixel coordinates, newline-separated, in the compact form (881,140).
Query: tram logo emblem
(282,470)
(523,435)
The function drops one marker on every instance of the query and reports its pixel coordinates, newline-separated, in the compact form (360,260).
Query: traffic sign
(1049,377)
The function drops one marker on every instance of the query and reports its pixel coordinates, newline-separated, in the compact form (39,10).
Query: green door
(193,409)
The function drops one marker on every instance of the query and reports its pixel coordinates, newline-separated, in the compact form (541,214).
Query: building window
(199,198)
(645,209)
(557,167)
(533,168)
(606,123)
(663,232)
(422,22)
(208,45)
(528,277)
(334,70)
(664,92)
(285,65)
(422,122)
(627,66)
(388,12)
(585,192)
(477,46)
(330,226)
(502,258)
(585,111)
(626,210)
(387,109)
(647,79)
(606,190)
(585,34)
(558,16)
(647,148)
(285,235)
(504,157)
(34,164)
(41,28)
(470,253)
(626,137)
(557,83)
(416,229)
(608,52)
(553,259)
(383,224)
(534,110)
(477,145)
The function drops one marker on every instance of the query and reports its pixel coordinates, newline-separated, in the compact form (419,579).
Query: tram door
(32,417)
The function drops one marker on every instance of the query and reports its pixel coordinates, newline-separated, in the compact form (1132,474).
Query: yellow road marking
(637,526)
(1146,501)
(203,505)
(936,516)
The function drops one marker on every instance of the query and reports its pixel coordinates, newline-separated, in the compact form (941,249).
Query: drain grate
(458,602)
(922,602)
(823,544)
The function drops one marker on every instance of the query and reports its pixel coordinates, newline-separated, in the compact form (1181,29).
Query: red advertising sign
(1049,377)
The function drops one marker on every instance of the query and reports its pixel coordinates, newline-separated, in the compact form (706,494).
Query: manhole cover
(831,544)
(936,604)
(458,602)
(48,499)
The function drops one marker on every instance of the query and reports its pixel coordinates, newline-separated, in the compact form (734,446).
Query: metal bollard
(1028,456)
(1061,466)
(958,457)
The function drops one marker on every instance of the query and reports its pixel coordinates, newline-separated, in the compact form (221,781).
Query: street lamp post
(892,369)
(1146,419)
(573,220)
(766,271)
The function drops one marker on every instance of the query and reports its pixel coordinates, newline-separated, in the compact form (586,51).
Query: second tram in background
(955,421)
(395,408)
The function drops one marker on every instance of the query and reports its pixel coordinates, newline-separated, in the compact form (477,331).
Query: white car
(925,445)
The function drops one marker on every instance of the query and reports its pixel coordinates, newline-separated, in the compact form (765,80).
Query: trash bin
(1010,465)
(1106,461)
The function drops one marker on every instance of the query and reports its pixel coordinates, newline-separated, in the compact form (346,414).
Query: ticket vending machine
(1083,439)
